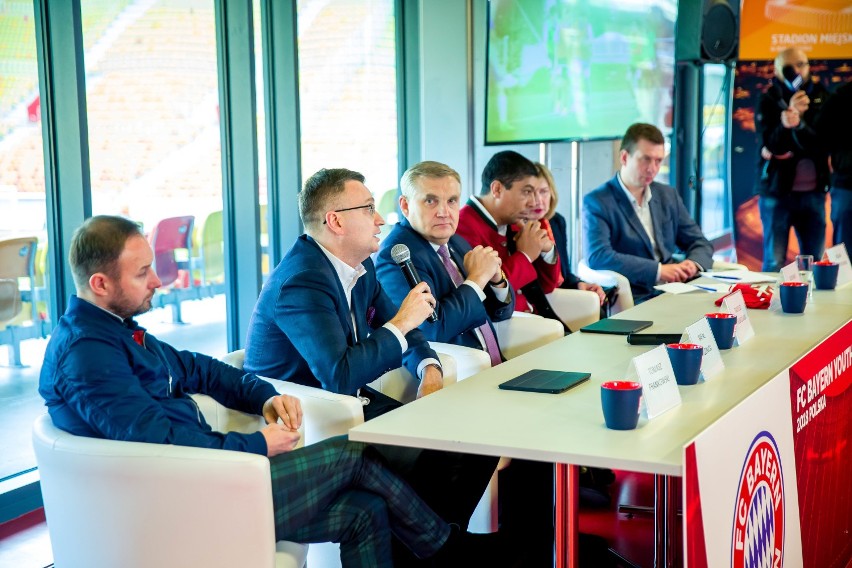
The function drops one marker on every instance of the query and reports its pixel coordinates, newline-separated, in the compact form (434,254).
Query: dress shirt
(643,211)
(501,293)
(348,278)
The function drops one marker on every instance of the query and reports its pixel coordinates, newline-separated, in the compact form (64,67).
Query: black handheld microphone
(402,256)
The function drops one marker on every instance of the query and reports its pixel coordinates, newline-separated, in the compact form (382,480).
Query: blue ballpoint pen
(705,288)
(726,277)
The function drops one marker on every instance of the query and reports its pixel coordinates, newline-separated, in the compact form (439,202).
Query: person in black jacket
(834,125)
(793,169)
(554,223)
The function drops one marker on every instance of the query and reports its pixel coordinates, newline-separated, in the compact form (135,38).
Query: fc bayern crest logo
(758,539)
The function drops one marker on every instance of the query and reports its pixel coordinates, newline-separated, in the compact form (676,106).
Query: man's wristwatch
(500,282)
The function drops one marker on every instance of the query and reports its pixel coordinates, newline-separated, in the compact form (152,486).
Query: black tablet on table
(539,380)
(617,326)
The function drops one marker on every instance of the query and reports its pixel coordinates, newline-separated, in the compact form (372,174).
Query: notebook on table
(539,380)
(616,326)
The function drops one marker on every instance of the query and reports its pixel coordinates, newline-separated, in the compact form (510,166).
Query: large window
(347,91)
(23,239)
(715,192)
(155,151)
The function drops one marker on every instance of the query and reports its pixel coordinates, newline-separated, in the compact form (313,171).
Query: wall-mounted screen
(577,69)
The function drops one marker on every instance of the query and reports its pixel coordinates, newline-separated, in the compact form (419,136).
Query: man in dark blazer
(634,225)
(105,377)
(468,301)
(323,320)
(468,282)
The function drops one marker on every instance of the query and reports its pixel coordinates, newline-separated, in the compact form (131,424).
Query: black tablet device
(652,338)
(539,380)
(616,326)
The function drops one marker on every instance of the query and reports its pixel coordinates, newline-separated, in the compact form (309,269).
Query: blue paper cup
(722,325)
(686,361)
(620,402)
(825,274)
(794,297)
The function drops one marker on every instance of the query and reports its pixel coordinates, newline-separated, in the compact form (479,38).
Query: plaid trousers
(341,491)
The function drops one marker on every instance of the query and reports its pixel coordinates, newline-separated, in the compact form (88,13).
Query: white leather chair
(326,414)
(524,332)
(400,385)
(608,278)
(577,308)
(136,505)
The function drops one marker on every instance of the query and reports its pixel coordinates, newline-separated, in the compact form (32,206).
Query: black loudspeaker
(707,30)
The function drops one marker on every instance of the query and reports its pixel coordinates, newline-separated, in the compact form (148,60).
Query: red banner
(821,400)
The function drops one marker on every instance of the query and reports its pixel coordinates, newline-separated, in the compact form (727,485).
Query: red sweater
(477,230)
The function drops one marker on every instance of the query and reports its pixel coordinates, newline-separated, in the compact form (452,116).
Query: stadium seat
(17,267)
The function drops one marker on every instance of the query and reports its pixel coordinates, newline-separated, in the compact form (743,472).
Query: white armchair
(130,504)
(608,278)
(326,414)
(524,332)
(400,385)
(577,308)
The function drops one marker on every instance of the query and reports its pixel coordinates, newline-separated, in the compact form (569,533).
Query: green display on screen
(578,69)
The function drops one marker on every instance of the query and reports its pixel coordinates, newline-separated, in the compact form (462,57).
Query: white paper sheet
(740,276)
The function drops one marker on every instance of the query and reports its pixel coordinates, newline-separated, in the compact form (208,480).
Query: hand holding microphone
(414,306)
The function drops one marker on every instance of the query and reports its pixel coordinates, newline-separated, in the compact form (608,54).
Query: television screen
(577,69)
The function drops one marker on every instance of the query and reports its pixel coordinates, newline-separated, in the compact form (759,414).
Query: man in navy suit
(468,282)
(472,291)
(634,225)
(323,320)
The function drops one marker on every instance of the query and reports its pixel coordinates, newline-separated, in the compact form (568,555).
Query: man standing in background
(792,166)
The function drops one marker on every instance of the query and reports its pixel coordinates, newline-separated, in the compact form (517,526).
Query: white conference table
(475,416)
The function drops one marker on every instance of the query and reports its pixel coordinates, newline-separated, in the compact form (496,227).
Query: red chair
(17,266)
(171,235)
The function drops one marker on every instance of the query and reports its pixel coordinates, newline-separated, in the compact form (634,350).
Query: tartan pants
(340,491)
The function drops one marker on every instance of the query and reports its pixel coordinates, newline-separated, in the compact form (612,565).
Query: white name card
(659,387)
(775,300)
(790,273)
(735,304)
(711,362)
(838,254)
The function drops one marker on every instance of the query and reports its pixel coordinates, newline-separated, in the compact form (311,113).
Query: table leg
(665,521)
(567,516)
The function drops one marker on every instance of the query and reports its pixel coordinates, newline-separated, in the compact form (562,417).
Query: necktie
(485,329)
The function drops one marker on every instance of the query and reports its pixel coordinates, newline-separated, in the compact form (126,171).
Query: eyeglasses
(370,207)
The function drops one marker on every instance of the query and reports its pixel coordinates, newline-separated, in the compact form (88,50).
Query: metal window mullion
(283,133)
(62,91)
(240,215)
